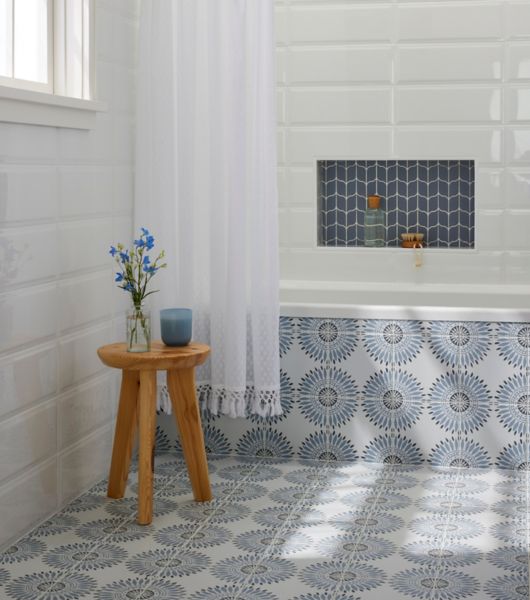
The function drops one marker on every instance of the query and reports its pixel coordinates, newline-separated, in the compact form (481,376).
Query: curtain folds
(206,186)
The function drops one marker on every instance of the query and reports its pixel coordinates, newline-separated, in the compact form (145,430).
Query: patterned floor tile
(286,530)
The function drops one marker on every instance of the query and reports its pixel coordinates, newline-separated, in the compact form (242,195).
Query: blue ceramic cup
(175,324)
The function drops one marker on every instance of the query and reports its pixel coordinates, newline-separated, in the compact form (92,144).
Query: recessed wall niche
(435,198)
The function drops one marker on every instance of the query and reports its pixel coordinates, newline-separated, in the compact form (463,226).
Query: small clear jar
(138,329)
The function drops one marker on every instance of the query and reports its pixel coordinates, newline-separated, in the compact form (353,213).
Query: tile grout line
(206,521)
(268,551)
(123,520)
(354,559)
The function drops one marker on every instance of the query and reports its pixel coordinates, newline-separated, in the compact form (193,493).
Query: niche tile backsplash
(433,197)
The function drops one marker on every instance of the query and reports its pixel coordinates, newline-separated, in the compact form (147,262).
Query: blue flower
(464,453)
(426,584)
(150,269)
(146,260)
(128,287)
(119,277)
(139,243)
(144,231)
(124,257)
(113,251)
(150,242)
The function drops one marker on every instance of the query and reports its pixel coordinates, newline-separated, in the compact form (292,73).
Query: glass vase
(138,329)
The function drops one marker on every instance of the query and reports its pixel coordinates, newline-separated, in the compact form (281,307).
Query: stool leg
(181,386)
(123,434)
(146,431)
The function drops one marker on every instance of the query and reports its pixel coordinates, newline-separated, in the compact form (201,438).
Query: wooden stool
(138,408)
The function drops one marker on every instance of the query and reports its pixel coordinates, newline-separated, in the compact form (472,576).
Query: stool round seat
(137,417)
(160,358)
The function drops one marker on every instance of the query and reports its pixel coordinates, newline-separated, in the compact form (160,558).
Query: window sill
(39,108)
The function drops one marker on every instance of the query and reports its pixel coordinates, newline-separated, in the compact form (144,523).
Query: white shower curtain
(206,186)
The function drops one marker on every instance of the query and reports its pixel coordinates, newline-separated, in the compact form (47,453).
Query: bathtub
(509,303)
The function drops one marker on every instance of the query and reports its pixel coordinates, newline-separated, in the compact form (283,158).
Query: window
(46,58)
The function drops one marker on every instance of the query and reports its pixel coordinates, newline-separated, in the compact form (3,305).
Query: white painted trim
(39,108)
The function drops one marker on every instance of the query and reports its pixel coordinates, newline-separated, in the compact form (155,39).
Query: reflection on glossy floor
(286,530)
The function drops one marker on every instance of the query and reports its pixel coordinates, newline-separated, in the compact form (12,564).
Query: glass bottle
(374,223)
(138,329)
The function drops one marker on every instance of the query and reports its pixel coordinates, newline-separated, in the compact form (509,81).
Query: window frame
(53,103)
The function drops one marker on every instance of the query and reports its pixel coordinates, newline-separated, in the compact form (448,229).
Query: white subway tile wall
(400,79)
(65,195)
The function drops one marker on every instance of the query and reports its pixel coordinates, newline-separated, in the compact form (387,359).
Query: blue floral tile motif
(514,486)
(462,486)
(215,511)
(273,542)
(392,342)
(57,524)
(85,502)
(4,576)
(459,343)
(392,399)
(287,391)
(254,569)
(117,530)
(514,531)
(460,402)
(327,395)
(290,495)
(444,504)
(264,443)
(510,558)
(511,507)
(509,587)
(347,546)
(167,562)
(426,584)
(22,550)
(432,526)
(279,516)
(326,340)
(389,478)
(215,441)
(393,450)
(375,501)
(250,471)
(310,476)
(189,536)
(513,343)
(251,491)
(333,446)
(139,588)
(433,553)
(287,334)
(126,507)
(369,523)
(515,457)
(335,576)
(456,528)
(86,556)
(513,403)
(313,596)
(47,586)
(227,592)
(460,452)
(162,442)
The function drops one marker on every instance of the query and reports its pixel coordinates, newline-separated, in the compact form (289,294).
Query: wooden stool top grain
(161,357)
